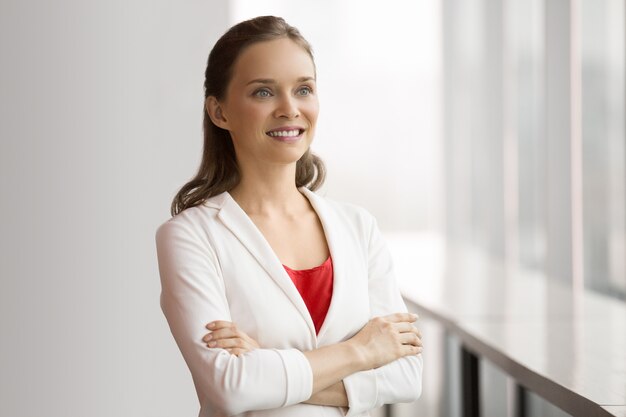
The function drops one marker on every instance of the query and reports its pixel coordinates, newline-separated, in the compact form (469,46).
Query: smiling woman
(282,302)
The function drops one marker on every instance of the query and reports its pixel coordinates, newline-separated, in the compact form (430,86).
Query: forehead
(279,59)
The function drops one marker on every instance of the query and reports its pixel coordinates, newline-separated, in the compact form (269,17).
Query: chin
(289,157)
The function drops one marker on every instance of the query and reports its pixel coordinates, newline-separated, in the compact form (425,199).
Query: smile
(285,133)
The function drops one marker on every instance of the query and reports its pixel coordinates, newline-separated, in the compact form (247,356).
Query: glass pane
(538,407)
(528,44)
(602,56)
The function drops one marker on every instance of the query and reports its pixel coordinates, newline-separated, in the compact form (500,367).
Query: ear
(215,112)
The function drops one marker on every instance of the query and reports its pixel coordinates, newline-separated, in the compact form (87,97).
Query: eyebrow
(271,81)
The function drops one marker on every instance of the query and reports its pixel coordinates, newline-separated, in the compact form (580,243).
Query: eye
(305,90)
(262,92)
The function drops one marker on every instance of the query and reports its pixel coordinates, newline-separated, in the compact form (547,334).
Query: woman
(283,303)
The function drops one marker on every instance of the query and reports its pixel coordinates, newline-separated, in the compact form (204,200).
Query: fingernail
(415,316)
(211,344)
(210,325)
(207,337)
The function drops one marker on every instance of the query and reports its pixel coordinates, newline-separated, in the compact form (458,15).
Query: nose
(287,107)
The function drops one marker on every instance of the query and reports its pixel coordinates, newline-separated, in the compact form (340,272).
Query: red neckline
(310,269)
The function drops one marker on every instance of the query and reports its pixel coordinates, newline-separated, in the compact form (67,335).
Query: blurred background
(495,123)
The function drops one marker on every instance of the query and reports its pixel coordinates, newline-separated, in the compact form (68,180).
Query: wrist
(358,354)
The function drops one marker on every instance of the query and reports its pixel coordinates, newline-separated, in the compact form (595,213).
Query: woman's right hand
(225,334)
(385,339)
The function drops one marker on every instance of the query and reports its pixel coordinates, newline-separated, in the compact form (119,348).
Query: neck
(271,191)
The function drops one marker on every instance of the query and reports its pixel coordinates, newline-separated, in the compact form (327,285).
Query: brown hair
(218,171)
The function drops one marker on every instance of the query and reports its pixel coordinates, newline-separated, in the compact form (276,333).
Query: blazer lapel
(238,222)
(336,245)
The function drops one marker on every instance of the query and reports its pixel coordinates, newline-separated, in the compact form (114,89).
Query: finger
(409,328)
(219,324)
(233,342)
(401,317)
(407,350)
(221,334)
(405,327)
(410,339)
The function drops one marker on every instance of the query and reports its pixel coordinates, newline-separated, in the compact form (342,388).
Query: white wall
(100,122)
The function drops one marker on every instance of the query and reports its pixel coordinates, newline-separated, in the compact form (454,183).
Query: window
(603,141)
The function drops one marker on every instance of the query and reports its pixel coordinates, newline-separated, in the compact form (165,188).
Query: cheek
(249,119)
(312,110)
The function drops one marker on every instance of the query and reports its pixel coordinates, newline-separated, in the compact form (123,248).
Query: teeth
(288,133)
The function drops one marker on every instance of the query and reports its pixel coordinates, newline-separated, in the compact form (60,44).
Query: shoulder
(349,213)
(353,211)
(193,220)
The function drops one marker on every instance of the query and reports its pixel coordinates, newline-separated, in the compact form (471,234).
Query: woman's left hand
(225,335)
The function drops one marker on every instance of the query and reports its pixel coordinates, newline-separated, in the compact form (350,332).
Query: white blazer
(215,264)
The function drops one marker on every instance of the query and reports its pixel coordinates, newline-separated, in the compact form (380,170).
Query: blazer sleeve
(192,295)
(400,380)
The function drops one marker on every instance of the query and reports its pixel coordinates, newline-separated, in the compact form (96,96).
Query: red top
(316,288)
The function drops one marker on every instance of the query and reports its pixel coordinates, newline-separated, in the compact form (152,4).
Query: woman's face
(271,106)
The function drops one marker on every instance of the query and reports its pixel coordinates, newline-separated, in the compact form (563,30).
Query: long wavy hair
(218,171)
